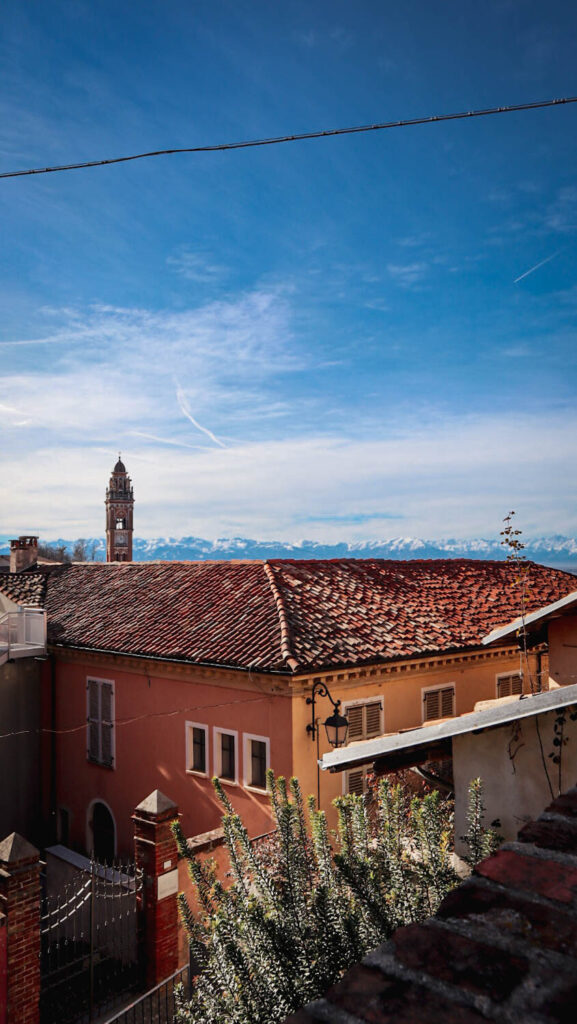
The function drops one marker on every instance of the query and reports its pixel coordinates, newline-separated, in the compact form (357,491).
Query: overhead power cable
(251,143)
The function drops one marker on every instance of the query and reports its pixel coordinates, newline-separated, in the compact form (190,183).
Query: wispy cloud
(196,266)
(429,474)
(112,369)
(407,275)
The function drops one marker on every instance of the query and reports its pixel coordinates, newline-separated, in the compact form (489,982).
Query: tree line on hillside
(82,551)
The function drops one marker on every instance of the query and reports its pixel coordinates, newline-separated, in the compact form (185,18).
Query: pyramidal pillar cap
(14,849)
(157,805)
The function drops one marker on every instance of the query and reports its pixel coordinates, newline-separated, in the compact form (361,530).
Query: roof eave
(521,623)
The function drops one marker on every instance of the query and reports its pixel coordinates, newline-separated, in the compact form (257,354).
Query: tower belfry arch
(119,504)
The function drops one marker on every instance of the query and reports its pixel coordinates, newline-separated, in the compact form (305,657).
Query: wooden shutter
(439,703)
(447,702)
(106,723)
(356,781)
(372,719)
(509,685)
(93,718)
(432,705)
(355,717)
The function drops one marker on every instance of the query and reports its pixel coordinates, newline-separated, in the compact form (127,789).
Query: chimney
(23,553)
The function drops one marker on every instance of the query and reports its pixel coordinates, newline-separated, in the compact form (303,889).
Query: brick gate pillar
(20,903)
(156,853)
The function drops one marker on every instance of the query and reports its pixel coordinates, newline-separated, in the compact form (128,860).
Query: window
(197,748)
(438,703)
(365,721)
(507,685)
(356,780)
(256,761)
(226,755)
(100,721)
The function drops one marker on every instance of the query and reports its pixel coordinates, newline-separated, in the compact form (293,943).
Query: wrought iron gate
(89,943)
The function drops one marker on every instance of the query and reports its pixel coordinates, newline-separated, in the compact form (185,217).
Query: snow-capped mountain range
(555,551)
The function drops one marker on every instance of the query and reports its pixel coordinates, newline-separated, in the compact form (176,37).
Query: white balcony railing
(22,635)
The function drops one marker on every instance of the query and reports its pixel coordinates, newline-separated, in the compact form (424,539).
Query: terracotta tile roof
(208,612)
(26,588)
(350,611)
(286,615)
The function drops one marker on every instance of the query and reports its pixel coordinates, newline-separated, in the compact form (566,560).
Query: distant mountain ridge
(557,551)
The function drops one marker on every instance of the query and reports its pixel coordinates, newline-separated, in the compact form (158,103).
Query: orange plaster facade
(563,648)
(400,686)
(154,701)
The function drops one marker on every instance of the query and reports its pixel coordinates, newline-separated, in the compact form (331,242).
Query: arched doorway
(101,826)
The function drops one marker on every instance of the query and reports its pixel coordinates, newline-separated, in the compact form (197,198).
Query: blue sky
(329,339)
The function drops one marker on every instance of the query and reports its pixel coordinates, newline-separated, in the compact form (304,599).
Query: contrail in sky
(166,440)
(204,430)
(536,267)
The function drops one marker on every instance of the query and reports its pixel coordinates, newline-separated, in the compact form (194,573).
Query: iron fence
(157,1006)
(89,930)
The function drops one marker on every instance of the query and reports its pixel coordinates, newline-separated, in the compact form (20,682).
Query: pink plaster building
(161,675)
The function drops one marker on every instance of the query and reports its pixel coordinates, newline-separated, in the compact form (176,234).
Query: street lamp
(336,725)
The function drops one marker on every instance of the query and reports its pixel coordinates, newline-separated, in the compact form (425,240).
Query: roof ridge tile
(285,633)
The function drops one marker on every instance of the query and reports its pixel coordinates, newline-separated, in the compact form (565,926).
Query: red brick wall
(20,889)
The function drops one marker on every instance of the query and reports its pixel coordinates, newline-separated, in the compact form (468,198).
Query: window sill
(228,782)
(100,764)
(256,789)
(199,775)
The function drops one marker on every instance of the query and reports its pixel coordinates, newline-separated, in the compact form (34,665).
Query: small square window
(356,780)
(438,703)
(508,685)
(365,720)
(227,766)
(226,755)
(197,748)
(256,761)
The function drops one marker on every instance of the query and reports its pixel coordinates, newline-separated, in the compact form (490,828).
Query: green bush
(297,915)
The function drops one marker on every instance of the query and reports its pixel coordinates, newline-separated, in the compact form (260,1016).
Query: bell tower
(119,505)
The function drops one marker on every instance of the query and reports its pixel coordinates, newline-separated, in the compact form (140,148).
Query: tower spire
(119,504)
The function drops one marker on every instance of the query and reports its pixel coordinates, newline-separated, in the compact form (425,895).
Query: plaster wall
(20,806)
(153,704)
(401,692)
(151,711)
(509,761)
(563,650)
